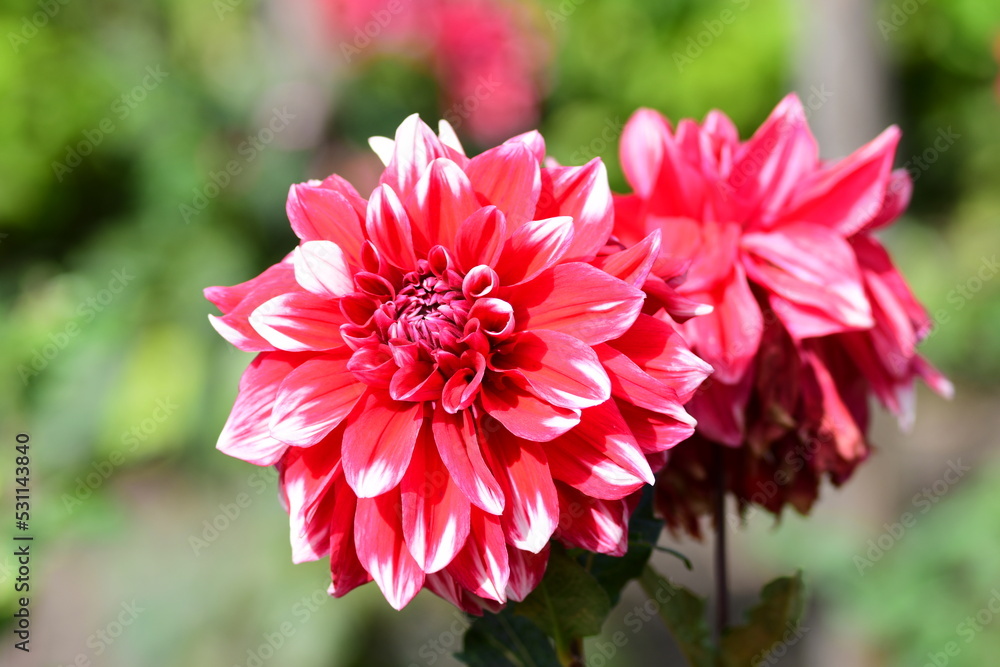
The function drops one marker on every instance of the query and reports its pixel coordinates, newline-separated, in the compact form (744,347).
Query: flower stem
(721,575)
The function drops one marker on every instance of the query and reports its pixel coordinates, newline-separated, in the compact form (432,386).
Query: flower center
(430,308)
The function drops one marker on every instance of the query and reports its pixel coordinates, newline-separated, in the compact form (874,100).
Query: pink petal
(416,146)
(642,147)
(321,267)
(239,301)
(458,445)
(849,194)
(728,337)
(720,409)
(534,247)
(441,200)
(634,264)
(482,565)
(435,512)
(654,431)
(480,238)
(524,414)
(300,321)
(314,398)
(246,434)
(784,261)
(633,385)
(318,213)
(591,523)
(388,227)
(509,177)
(558,368)
(382,551)
(526,571)
(897,198)
(656,348)
(534,141)
(379,442)
(306,481)
(576,299)
(583,194)
(531,513)
(600,457)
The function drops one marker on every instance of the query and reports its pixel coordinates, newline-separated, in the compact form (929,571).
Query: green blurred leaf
(506,640)
(768,623)
(683,612)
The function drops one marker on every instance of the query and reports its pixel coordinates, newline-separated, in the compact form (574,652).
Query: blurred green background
(119,201)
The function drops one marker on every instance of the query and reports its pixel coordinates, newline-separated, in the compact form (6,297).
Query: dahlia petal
(849,194)
(321,267)
(319,213)
(525,415)
(378,443)
(720,409)
(382,551)
(583,194)
(383,148)
(533,140)
(593,524)
(534,247)
(480,238)
(526,571)
(656,348)
(306,480)
(388,227)
(729,336)
(458,445)
(415,147)
(246,435)
(482,565)
(600,457)
(531,512)
(441,200)
(576,299)
(299,321)
(435,512)
(897,198)
(239,301)
(633,264)
(509,177)
(641,150)
(346,570)
(632,384)
(784,261)
(558,368)
(654,431)
(774,161)
(314,398)
(446,587)
(448,136)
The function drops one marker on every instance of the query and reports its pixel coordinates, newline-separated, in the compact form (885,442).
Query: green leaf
(683,612)
(772,622)
(568,603)
(506,640)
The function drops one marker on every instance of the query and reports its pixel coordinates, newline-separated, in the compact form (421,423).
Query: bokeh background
(146,149)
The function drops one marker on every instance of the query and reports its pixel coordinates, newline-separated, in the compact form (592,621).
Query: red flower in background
(455,370)
(487,55)
(810,315)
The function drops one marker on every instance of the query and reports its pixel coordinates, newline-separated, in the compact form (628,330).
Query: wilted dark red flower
(809,314)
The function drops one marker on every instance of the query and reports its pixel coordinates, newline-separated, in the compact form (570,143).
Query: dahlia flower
(455,370)
(809,314)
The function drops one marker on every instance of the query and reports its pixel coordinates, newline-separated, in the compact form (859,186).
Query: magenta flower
(455,370)
(809,314)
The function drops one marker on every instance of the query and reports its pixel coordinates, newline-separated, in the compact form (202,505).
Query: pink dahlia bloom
(455,371)
(809,314)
